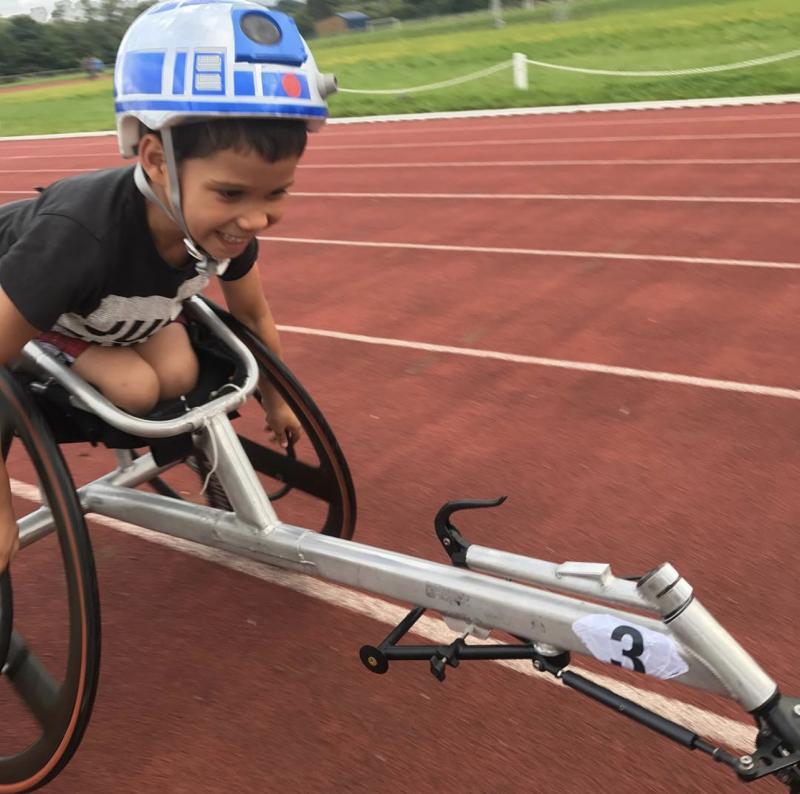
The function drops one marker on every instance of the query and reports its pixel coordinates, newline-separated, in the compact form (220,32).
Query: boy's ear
(151,156)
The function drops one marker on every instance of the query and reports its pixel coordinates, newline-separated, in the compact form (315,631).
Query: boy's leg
(122,375)
(169,353)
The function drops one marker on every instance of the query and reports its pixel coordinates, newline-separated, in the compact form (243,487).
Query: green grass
(605,34)
(67,74)
(55,108)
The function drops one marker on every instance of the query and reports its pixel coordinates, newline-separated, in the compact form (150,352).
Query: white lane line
(348,131)
(744,136)
(682,105)
(733,733)
(476,249)
(425,129)
(484,164)
(542,163)
(556,363)
(557,197)
(483,143)
(59,155)
(420,127)
(56,136)
(521,197)
(524,197)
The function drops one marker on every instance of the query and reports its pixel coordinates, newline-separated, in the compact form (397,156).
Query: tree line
(28,46)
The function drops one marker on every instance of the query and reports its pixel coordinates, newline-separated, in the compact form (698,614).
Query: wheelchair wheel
(312,481)
(48,684)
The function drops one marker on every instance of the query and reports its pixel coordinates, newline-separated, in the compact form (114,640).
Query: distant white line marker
(539,361)
(744,136)
(546,163)
(557,197)
(690,260)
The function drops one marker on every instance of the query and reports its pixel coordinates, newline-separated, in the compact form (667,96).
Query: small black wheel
(312,480)
(374,659)
(48,684)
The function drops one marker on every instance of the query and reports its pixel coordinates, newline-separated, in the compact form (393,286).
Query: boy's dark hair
(272,139)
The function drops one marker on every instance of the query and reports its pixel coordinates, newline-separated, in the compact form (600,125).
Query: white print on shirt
(126,321)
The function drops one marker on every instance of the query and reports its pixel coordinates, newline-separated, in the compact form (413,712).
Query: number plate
(630,646)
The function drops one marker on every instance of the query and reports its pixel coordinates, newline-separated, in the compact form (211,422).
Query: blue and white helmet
(193,60)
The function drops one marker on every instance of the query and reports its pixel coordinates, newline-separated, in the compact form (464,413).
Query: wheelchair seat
(218,370)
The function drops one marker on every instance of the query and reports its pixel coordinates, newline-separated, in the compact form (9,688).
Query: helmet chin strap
(205,264)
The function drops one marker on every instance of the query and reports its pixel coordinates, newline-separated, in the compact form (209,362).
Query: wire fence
(520,62)
(432,86)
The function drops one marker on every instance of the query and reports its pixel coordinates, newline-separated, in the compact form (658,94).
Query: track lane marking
(477,249)
(422,128)
(483,164)
(524,197)
(556,197)
(744,136)
(741,136)
(555,363)
(551,163)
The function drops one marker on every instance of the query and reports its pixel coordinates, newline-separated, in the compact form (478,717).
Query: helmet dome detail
(195,60)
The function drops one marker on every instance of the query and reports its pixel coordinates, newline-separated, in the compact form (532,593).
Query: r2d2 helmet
(195,60)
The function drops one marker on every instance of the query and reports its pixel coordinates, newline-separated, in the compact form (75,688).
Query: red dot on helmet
(291,85)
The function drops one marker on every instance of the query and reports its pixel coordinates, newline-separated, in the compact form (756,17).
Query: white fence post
(496,10)
(520,67)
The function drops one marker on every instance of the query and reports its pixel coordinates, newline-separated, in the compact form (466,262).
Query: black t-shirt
(80,259)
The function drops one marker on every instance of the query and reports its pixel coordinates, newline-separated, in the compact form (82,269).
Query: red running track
(216,680)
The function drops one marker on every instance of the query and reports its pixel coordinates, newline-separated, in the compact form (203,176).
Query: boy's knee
(124,378)
(137,394)
(178,376)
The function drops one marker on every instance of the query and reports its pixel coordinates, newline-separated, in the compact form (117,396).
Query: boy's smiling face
(227,198)
(230,197)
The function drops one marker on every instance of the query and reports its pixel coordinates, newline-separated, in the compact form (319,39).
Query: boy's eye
(229,195)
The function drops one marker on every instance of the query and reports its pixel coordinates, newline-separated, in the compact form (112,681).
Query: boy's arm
(247,303)
(15,331)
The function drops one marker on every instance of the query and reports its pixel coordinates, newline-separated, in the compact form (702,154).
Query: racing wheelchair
(552,610)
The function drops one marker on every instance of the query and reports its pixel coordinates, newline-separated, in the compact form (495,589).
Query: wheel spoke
(292,472)
(6,437)
(31,681)
(6,616)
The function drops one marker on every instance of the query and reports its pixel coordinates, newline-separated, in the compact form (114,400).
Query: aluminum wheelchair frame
(482,589)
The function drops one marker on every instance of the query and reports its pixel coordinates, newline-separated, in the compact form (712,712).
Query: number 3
(635,651)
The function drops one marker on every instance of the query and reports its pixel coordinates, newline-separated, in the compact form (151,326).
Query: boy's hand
(9,542)
(282,424)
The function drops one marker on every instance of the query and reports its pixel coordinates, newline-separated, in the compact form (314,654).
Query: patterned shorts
(67,348)
(62,347)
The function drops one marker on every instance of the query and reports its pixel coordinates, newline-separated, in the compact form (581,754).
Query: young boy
(214,99)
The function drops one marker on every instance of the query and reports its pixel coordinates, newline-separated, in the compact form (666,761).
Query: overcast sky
(10,7)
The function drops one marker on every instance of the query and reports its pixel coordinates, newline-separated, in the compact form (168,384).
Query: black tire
(60,708)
